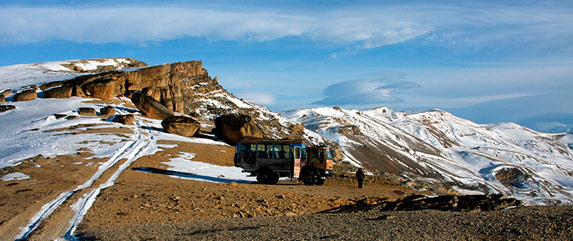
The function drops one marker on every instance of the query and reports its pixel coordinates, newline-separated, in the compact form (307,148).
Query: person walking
(360,177)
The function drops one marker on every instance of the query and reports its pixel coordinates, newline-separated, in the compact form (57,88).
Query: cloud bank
(354,28)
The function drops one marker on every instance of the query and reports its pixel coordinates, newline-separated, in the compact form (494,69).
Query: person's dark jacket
(359,175)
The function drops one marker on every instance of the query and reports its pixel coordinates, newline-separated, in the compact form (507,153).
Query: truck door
(296,161)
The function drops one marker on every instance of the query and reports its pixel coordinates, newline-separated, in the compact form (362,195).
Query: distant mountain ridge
(439,147)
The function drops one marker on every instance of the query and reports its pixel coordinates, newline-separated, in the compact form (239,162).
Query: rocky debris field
(523,223)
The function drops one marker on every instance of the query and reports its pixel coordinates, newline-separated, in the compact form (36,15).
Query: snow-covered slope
(19,75)
(40,128)
(439,147)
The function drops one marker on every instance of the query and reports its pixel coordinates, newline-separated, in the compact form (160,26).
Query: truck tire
(309,176)
(274,178)
(267,176)
(320,181)
(264,176)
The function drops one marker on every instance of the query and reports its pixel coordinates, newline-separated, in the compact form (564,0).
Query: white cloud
(258,97)
(353,28)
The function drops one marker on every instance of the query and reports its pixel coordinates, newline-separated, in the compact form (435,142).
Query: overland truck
(269,160)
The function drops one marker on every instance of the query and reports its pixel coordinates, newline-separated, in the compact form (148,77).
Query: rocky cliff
(183,87)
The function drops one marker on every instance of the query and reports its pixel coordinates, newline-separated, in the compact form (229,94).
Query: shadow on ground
(188,175)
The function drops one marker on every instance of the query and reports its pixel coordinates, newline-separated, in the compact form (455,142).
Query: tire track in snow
(130,151)
(82,206)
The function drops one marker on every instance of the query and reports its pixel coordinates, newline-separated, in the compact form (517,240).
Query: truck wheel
(309,177)
(320,181)
(264,176)
(274,178)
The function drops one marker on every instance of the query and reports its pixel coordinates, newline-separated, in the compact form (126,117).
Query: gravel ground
(524,223)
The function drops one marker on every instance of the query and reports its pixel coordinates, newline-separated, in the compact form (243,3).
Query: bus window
(269,150)
(286,150)
(247,147)
(261,152)
(276,150)
(297,152)
(281,151)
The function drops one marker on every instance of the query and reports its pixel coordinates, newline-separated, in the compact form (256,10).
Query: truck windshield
(328,155)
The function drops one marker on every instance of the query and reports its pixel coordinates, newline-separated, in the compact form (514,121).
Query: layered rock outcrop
(168,84)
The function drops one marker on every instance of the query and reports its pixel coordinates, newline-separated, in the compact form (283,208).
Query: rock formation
(77,65)
(25,95)
(107,112)
(150,107)
(168,83)
(124,119)
(6,92)
(183,87)
(235,127)
(4,108)
(64,91)
(181,125)
(468,203)
(86,111)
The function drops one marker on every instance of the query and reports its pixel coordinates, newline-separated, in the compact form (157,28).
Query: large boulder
(181,125)
(86,111)
(6,92)
(124,119)
(511,177)
(150,107)
(103,89)
(64,91)
(107,112)
(25,95)
(235,127)
(4,108)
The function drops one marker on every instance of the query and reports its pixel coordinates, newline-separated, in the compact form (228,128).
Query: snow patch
(184,167)
(15,176)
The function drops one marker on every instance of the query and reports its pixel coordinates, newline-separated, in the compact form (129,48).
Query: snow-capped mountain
(439,147)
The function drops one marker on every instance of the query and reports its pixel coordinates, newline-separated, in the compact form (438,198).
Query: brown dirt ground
(152,198)
(20,200)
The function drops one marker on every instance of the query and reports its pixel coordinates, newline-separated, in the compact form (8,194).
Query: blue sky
(482,60)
